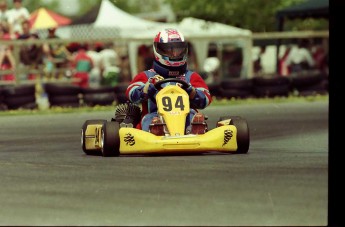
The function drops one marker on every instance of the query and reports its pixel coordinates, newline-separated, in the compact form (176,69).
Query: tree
(54,5)
(255,15)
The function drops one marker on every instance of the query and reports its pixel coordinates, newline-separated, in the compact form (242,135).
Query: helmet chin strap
(166,71)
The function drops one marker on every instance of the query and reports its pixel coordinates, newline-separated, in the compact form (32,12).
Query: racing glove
(155,79)
(191,92)
(150,89)
(197,98)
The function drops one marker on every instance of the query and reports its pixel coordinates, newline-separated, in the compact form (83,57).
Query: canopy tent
(112,22)
(205,32)
(106,21)
(43,18)
(111,17)
(200,34)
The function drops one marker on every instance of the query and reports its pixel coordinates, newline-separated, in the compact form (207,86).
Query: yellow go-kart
(120,136)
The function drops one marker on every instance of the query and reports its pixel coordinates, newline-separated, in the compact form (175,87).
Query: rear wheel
(243,138)
(110,139)
(83,134)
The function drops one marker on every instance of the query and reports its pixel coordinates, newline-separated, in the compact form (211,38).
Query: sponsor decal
(227,136)
(173,73)
(174,113)
(173,35)
(96,135)
(129,139)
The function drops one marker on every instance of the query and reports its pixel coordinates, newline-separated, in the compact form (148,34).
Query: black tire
(102,99)
(64,100)
(66,105)
(21,90)
(271,81)
(61,89)
(272,91)
(214,89)
(61,99)
(301,81)
(2,96)
(83,129)
(110,139)
(121,88)
(235,93)
(243,137)
(3,107)
(29,106)
(19,101)
(98,90)
(319,88)
(236,83)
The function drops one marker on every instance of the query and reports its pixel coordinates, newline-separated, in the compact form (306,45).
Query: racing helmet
(170,48)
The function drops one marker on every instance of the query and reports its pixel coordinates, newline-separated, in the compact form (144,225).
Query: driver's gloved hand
(191,91)
(155,79)
(150,90)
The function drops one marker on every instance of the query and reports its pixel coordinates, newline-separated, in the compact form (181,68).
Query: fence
(121,43)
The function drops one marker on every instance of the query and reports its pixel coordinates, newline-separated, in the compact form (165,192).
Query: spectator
(192,60)
(96,71)
(257,64)
(82,65)
(125,71)
(32,55)
(149,58)
(319,52)
(6,31)
(211,68)
(232,62)
(7,61)
(26,30)
(283,67)
(145,57)
(56,56)
(18,14)
(300,57)
(52,33)
(110,62)
(4,13)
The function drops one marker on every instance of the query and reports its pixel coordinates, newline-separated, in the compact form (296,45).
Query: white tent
(111,17)
(111,22)
(201,33)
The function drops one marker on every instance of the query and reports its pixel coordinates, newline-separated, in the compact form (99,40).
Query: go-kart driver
(170,61)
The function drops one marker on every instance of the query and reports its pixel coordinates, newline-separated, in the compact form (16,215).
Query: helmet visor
(172,50)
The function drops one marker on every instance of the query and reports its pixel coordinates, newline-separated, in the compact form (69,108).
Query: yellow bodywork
(173,105)
(93,137)
(135,141)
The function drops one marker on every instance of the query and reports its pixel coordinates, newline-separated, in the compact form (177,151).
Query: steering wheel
(158,84)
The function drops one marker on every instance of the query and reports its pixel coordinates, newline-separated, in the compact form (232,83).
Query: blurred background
(97,43)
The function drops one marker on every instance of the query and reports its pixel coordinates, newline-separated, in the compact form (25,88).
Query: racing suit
(135,94)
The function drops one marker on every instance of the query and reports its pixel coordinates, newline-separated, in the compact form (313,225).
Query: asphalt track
(46,179)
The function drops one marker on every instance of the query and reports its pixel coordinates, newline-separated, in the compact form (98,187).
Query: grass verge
(216,102)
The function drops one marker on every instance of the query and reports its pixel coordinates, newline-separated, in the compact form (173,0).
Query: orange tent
(43,18)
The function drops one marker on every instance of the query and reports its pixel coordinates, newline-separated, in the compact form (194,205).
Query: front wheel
(110,139)
(243,137)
